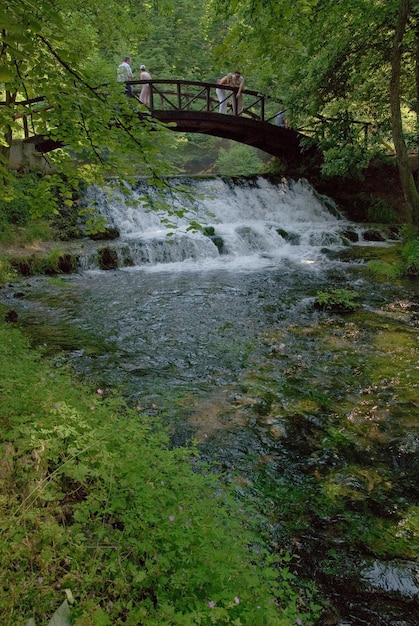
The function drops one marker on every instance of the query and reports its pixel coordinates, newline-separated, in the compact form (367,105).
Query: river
(312,415)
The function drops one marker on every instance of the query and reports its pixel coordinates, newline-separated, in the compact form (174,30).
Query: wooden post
(208,99)
(151,97)
(179,97)
(25,126)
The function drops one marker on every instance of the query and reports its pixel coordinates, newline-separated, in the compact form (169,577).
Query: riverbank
(378,196)
(98,512)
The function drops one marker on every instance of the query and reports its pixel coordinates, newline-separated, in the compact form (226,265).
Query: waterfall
(245,223)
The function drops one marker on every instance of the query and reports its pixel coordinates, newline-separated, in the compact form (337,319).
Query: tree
(406,176)
(54,50)
(179,40)
(238,160)
(341,68)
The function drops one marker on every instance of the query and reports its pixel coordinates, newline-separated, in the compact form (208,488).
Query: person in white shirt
(124,74)
(281,120)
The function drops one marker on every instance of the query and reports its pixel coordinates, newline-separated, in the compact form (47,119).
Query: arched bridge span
(193,107)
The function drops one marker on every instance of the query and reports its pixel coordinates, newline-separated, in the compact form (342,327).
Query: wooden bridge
(193,107)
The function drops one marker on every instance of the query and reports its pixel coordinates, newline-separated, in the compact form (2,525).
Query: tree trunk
(416,14)
(8,136)
(406,177)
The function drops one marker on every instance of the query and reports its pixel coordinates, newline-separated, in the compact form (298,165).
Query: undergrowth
(408,263)
(337,300)
(95,504)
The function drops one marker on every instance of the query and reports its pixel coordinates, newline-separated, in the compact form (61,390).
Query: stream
(312,415)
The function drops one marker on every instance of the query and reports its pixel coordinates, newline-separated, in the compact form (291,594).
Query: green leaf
(5,74)
(61,616)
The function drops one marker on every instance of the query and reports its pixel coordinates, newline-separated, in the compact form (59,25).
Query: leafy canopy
(330,62)
(56,50)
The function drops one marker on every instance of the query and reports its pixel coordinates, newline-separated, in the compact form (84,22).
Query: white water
(394,577)
(257,224)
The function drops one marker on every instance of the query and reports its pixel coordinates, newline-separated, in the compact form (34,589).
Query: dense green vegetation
(337,300)
(346,71)
(346,74)
(94,500)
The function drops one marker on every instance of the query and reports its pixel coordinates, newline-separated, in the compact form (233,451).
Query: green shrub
(410,257)
(337,300)
(6,271)
(380,211)
(14,207)
(31,204)
(239,160)
(37,230)
(346,161)
(386,270)
(407,261)
(33,230)
(39,264)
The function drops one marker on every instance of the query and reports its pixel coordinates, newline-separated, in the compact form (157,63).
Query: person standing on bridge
(235,79)
(222,98)
(146,89)
(124,74)
(281,120)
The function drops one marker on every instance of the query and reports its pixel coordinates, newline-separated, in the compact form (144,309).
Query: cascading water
(215,330)
(251,223)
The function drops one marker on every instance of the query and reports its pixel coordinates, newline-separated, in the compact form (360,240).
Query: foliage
(6,271)
(33,230)
(194,153)
(379,211)
(94,501)
(337,69)
(338,300)
(410,257)
(328,62)
(84,108)
(239,160)
(344,161)
(35,197)
(35,264)
(43,208)
(61,616)
(406,264)
(178,40)
(384,270)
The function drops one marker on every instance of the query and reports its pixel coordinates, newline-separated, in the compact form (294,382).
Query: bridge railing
(186,95)
(26,109)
